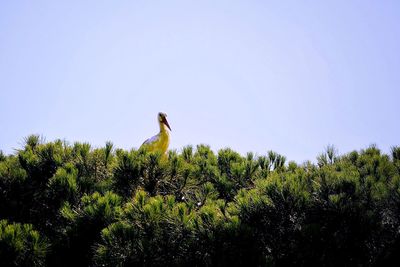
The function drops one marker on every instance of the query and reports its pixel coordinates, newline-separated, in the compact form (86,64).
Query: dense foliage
(72,205)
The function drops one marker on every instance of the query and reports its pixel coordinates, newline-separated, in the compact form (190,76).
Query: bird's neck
(163,128)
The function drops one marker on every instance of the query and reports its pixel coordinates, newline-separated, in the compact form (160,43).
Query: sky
(287,76)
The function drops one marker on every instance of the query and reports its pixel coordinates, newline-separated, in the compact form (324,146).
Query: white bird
(159,142)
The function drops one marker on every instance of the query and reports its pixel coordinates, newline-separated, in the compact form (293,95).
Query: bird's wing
(151,140)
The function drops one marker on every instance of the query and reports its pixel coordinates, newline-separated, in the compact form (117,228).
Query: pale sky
(288,76)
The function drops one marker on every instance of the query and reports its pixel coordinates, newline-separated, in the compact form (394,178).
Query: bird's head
(162,118)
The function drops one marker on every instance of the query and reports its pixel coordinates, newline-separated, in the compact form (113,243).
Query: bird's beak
(166,123)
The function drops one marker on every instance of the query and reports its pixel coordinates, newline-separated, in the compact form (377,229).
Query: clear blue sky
(288,76)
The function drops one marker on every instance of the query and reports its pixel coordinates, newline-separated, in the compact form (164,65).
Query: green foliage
(83,224)
(2,156)
(111,207)
(63,185)
(20,245)
(328,157)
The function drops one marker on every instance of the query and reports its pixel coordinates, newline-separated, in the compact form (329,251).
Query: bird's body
(159,142)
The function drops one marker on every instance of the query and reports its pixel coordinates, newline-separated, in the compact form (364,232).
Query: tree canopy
(67,204)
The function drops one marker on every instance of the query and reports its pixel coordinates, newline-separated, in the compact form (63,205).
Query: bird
(159,142)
